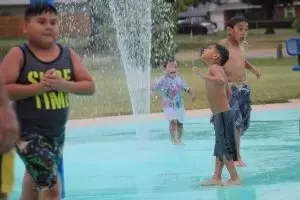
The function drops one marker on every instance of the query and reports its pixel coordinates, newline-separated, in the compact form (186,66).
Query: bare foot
(231,182)
(211,182)
(243,164)
(240,163)
(175,142)
(180,142)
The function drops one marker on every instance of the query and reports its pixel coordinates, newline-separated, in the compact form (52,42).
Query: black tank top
(46,113)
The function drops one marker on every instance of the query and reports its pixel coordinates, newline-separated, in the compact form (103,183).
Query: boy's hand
(54,81)
(257,74)
(9,129)
(193,97)
(45,83)
(197,71)
(154,97)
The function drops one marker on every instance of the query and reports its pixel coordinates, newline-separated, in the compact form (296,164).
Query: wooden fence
(71,25)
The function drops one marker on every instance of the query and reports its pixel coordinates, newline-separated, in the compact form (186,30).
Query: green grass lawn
(278,84)
(256,39)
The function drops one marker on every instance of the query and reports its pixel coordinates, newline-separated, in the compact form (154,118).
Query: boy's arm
(156,85)
(223,42)
(184,85)
(215,75)
(4,100)
(10,69)
(251,68)
(83,84)
(9,126)
(186,88)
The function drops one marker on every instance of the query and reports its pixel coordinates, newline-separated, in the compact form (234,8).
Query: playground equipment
(293,49)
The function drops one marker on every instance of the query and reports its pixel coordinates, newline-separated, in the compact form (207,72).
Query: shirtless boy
(218,94)
(235,69)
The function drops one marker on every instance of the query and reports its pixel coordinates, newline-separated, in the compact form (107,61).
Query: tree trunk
(269,9)
(97,18)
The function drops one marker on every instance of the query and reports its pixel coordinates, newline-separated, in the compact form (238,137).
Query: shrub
(296,25)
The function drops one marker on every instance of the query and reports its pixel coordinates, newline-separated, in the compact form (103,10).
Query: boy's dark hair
(235,20)
(224,54)
(39,8)
(170,60)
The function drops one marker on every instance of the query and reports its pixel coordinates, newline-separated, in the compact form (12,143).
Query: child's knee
(173,123)
(52,193)
(179,124)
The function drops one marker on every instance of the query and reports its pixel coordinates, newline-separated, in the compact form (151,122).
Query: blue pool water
(107,163)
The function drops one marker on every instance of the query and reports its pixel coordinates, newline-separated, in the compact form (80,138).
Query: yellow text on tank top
(53,100)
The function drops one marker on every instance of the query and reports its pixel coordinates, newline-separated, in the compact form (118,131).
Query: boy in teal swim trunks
(218,94)
(39,76)
(235,69)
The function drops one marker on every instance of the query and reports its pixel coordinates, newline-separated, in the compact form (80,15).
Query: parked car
(197,25)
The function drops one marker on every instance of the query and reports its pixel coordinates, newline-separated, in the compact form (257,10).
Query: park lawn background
(278,83)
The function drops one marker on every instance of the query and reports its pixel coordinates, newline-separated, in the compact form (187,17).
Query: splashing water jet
(132,21)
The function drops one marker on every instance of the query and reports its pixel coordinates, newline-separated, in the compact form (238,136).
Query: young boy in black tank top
(39,75)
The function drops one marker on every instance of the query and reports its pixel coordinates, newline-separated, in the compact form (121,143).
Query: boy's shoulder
(17,49)
(245,43)
(224,42)
(214,67)
(63,45)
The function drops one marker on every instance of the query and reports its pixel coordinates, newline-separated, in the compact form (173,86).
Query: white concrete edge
(293,104)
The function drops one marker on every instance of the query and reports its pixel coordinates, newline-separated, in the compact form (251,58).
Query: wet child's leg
(42,167)
(240,162)
(234,177)
(238,142)
(179,132)
(216,179)
(51,193)
(243,120)
(173,130)
(29,191)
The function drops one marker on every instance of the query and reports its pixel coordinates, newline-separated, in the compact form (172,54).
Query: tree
(100,20)
(182,5)
(163,31)
(103,34)
(268,7)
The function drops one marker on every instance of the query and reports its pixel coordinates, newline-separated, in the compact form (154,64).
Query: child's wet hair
(168,61)
(235,20)
(224,54)
(36,9)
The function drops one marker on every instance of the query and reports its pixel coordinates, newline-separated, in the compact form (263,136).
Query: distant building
(74,20)
(222,13)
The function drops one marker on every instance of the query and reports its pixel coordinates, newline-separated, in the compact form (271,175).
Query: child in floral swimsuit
(169,87)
